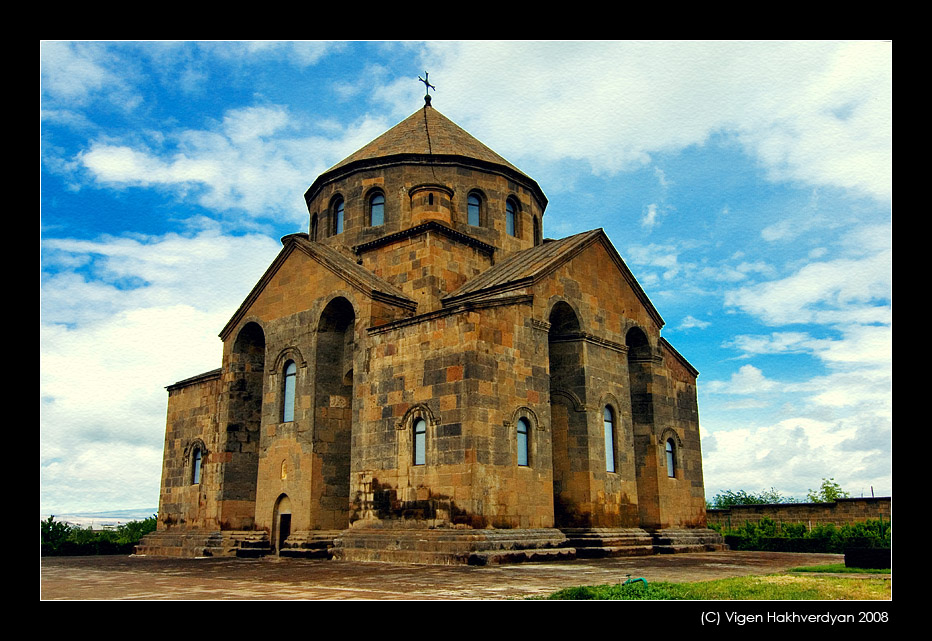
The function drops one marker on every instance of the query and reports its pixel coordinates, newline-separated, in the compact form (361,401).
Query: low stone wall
(838,512)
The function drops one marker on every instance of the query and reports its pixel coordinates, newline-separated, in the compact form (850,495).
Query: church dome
(425,169)
(425,135)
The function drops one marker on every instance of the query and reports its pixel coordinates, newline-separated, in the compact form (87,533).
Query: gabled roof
(355,275)
(528,266)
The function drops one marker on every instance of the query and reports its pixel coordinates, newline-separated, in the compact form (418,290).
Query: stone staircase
(243,544)
(316,544)
(678,541)
(229,543)
(599,543)
(436,546)
(451,546)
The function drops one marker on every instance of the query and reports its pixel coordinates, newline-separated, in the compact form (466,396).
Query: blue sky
(747,185)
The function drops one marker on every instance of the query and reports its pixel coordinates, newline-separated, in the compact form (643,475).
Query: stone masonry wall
(191,420)
(397,181)
(838,512)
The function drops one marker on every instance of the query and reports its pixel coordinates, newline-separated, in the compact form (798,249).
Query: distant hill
(98,520)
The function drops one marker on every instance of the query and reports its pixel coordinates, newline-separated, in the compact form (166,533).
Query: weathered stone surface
(436,390)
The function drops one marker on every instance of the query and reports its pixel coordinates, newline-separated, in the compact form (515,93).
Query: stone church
(424,377)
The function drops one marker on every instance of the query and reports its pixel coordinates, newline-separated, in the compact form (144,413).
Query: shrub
(795,537)
(62,539)
(729,498)
(52,534)
(134,530)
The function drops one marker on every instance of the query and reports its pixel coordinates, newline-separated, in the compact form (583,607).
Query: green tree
(53,533)
(729,498)
(134,530)
(828,492)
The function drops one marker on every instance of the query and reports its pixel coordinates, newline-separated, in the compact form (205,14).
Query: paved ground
(150,578)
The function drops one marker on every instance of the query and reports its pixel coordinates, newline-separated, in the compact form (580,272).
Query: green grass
(807,587)
(840,568)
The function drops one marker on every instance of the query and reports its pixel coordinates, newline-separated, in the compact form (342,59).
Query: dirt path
(149,578)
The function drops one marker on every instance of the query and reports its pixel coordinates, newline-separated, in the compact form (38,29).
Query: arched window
(291,372)
(473,210)
(420,441)
(338,205)
(524,429)
(196,466)
(314,227)
(511,218)
(671,459)
(376,209)
(537,234)
(609,423)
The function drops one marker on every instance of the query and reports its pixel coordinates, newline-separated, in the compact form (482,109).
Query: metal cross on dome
(427,85)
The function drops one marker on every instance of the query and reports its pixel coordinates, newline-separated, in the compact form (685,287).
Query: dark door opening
(284,529)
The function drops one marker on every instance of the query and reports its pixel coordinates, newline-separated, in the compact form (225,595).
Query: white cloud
(690,322)
(774,343)
(792,455)
(99,476)
(107,351)
(665,258)
(817,112)
(251,162)
(834,291)
(302,53)
(747,380)
(650,216)
(837,424)
(76,72)
(249,123)
(836,127)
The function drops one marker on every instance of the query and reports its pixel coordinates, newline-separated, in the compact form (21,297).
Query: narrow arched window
(510,218)
(377,209)
(196,466)
(314,227)
(420,441)
(609,424)
(338,216)
(291,372)
(671,459)
(537,234)
(473,209)
(523,433)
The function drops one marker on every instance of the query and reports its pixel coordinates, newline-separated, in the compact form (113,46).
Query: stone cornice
(424,228)
(591,339)
(383,162)
(450,311)
(194,380)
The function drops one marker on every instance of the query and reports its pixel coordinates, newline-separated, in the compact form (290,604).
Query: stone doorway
(281,521)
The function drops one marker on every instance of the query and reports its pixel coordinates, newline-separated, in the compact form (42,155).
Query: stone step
(304,553)
(498,557)
(239,543)
(604,552)
(450,546)
(453,546)
(676,541)
(606,537)
(310,545)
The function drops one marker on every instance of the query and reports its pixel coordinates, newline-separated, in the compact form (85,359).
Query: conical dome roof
(426,132)
(424,136)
